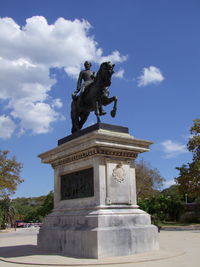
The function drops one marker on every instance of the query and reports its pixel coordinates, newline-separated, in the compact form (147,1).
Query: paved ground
(177,249)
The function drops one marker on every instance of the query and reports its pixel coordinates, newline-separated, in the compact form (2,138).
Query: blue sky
(43,44)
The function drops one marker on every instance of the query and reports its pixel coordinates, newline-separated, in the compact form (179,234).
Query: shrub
(190,217)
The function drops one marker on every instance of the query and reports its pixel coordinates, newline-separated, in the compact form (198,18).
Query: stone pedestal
(95,211)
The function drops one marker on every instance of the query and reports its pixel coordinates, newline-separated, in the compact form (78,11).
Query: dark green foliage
(194,142)
(33,209)
(7,212)
(190,217)
(173,193)
(189,174)
(163,208)
(47,205)
(189,180)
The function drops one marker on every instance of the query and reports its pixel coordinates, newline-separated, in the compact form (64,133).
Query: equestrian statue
(94,94)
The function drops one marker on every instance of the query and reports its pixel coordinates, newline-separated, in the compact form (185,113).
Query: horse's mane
(100,70)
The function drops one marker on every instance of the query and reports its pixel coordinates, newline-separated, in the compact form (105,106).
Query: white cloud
(7,127)
(119,74)
(72,71)
(36,117)
(150,75)
(114,57)
(57,103)
(169,183)
(24,80)
(173,149)
(26,55)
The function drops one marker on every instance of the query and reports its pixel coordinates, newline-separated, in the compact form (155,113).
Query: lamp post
(186,198)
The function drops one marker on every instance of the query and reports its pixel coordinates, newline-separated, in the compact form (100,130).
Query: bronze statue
(94,94)
(87,75)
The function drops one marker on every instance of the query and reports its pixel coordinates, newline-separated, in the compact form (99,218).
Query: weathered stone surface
(99,234)
(109,222)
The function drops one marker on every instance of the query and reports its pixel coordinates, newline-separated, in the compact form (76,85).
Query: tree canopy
(9,174)
(148,180)
(172,192)
(189,174)
(7,211)
(162,208)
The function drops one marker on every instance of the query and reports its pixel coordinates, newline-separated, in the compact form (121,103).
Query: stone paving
(177,249)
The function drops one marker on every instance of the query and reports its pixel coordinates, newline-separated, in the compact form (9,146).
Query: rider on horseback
(88,77)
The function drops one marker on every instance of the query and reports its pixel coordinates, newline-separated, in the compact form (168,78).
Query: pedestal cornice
(99,142)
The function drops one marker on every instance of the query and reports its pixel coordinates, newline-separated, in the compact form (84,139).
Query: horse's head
(106,71)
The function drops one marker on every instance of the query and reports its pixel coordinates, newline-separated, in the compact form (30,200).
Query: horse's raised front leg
(113,111)
(97,113)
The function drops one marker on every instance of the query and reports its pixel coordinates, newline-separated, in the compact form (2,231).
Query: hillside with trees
(33,209)
(25,209)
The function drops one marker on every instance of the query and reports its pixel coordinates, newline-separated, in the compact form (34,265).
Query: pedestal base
(98,234)
(95,209)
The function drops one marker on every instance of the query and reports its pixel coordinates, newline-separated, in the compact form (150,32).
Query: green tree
(32,215)
(189,174)
(47,205)
(173,192)
(9,174)
(162,208)
(148,180)
(33,209)
(7,211)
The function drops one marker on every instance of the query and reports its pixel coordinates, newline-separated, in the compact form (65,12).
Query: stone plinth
(95,211)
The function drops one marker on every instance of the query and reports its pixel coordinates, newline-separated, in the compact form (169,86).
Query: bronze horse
(94,97)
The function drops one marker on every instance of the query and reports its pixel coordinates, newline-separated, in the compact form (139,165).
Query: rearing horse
(95,96)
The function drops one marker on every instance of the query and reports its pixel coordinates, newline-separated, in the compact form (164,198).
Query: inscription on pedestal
(77,184)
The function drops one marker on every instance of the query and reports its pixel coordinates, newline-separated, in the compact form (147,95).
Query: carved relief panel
(118,183)
(79,184)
